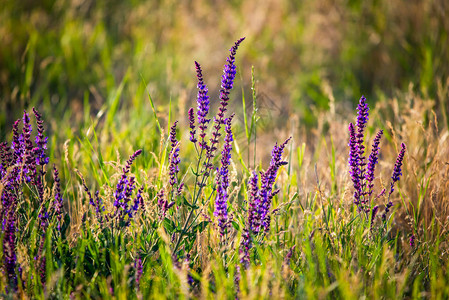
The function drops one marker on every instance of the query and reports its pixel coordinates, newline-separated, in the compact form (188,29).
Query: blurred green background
(73,58)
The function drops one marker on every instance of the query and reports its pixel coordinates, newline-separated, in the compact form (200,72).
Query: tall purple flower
(221,202)
(227,79)
(362,119)
(203,106)
(227,82)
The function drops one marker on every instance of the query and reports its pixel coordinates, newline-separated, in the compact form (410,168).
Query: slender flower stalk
(138,266)
(124,188)
(373,215)
(191,114)
(17,145)
(221,202)
(174,157)
(41,142)
(139,199)
(58,198)
(29,169)
(203,106)
(237,278)
(267,181)
(6,159)
(397,172)
(354,168)
(9,248)
(245,247)
(254,204)
(372,161)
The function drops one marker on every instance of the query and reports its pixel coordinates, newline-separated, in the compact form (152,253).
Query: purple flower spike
(268,179)
(354,169)
(9,248)
(227,83)
(373,215)
(124,188)
(245,247)
(29,169)
(191,114)
(412,241)
(172,137)
(174,156)
(221,202)
(163,204)
(362,119)
(397,171)
(17,145)
(58,197)
(254,204)
(138,266)
(6,159)
(372,161)
(41,141)
(203,106)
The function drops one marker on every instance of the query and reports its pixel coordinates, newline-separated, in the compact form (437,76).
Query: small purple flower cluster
(124,191)
(126,206)
(260,199)
(362,173)
(163,204)
(138,267)
(412,241)
(221,202)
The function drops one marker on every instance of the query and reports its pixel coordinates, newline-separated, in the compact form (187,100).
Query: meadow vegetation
(130,169)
